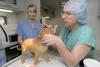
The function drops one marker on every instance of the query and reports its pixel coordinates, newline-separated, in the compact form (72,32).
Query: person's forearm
(64,52)
(20,39)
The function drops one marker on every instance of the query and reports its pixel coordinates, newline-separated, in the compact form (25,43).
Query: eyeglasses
(66,13)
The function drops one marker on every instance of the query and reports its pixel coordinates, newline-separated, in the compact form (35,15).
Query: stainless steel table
(55,62)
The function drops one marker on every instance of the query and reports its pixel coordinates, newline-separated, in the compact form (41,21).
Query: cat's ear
(49,26)
(55,29)
(55,26)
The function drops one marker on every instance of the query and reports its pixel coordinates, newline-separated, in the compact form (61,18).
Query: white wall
(11,17)
(94,21)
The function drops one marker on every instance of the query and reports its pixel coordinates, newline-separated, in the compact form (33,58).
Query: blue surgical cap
(79,8)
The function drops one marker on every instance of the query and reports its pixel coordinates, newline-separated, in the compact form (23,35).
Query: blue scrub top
(82,35)
(26,30)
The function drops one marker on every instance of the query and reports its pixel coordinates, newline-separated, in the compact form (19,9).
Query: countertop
(55,61)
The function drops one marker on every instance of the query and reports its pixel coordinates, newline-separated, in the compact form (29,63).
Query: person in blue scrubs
(77,40)
(2,57)
(29,28)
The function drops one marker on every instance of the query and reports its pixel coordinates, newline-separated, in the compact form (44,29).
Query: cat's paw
(28,65)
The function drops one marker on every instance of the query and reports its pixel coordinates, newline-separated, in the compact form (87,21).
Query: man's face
(31,13)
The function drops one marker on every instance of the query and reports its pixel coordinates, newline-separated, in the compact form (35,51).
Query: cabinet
(10,1)
(98,8)
(21,5)
(7,4)
(17,5)
(12,52)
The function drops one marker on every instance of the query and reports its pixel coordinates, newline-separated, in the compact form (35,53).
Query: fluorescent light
(5,10)
(47,17)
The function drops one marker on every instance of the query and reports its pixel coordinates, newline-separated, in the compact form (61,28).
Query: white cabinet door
(21,5)
(17,5)
(7,4)
(11,1)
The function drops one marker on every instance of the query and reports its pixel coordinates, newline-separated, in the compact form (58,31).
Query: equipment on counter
(8,41)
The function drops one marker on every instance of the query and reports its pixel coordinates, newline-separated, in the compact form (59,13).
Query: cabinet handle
(13,47)
(18,48)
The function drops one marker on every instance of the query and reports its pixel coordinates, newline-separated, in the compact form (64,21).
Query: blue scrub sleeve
(19,30)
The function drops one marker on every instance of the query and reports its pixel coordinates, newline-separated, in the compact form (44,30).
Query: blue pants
(2,58)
